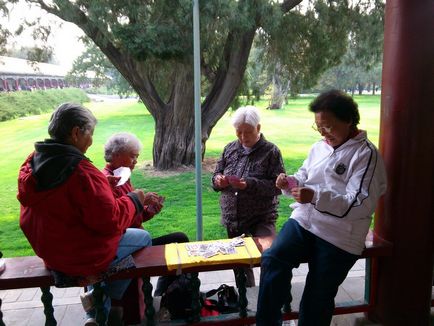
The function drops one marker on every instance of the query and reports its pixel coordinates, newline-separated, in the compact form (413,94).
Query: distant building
(20,74)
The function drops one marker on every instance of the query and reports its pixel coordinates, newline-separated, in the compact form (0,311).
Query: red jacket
(74,226)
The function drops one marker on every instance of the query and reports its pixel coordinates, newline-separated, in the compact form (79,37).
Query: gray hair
(246,114)
(66,117)
(119,143)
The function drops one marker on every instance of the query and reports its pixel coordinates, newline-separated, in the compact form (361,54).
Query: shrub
(24,103)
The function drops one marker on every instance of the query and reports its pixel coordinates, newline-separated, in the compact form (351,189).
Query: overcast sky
(64,40)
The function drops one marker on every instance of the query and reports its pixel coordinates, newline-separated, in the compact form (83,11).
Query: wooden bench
(30,272)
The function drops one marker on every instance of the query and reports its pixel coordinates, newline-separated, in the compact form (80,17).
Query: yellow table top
(177,256)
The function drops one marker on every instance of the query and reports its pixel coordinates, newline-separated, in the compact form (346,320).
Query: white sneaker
(91,322)
(87,302)
(2,265)
(289,323)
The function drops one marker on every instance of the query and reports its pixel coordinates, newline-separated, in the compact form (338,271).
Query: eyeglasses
(321,129)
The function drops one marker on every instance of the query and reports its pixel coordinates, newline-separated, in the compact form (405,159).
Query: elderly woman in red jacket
(68,211)
(121,151)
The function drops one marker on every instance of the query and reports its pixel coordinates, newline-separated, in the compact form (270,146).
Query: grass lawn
(289,128)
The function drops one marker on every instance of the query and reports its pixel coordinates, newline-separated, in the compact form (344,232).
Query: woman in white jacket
(336,191)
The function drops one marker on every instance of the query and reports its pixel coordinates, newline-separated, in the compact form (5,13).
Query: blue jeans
(132,240)
(328,268)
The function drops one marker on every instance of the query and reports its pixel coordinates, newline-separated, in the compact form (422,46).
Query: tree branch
(287,5)
(127,65)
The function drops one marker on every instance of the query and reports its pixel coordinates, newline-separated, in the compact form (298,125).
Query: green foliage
(92,60)
(314,39)
(23,103)
(104,74)
(150,43)
(316,36)
(34,54)
(305,40)
(367,33)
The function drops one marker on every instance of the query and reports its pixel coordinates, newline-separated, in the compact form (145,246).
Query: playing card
(124,173)
(237,242)
(209,253)
(292,182)
(211,249)
(232,179)
(227,250)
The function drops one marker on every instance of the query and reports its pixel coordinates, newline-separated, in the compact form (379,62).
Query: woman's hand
(238,183)
(220,181)
(151,198)
(140,194)
(113,180)
(282,181)
(302,195)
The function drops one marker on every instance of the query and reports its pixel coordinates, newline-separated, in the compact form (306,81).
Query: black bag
(227,299)
(177,298)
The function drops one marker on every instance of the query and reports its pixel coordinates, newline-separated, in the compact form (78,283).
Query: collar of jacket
(261,142)
(361,136)
(54,162)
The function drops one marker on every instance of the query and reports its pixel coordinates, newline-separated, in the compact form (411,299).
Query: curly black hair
(339,103)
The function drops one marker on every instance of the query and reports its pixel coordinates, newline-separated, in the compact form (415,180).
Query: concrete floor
(23,307)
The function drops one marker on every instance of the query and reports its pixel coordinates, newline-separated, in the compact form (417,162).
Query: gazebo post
(406,214)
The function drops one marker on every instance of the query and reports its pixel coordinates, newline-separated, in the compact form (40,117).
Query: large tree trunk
(280,90)
(174,129)
(174,120)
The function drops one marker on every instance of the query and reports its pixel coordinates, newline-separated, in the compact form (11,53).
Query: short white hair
(120,143)
(246,114)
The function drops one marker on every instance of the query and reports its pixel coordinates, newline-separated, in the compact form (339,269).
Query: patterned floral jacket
(260,167)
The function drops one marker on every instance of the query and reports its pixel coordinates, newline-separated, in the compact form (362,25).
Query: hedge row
(24,103)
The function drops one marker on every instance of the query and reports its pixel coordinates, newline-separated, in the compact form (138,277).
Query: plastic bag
(227,299)
(177,298)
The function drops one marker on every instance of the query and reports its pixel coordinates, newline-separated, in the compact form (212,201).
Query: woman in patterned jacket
(246,175)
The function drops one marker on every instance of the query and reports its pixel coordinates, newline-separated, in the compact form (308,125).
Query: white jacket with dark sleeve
(347,183)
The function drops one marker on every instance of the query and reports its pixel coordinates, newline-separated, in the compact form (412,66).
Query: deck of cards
(292,182)
(124,173)
(232,178)
(214,248)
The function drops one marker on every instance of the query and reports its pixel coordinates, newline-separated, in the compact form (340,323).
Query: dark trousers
(133,302)
(328,268)
(258,230)
(164,281)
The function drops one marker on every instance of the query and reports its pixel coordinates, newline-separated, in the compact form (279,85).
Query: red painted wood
(405,216)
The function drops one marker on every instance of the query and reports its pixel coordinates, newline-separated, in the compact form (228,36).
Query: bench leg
(1,314)
(368,281)
(241,285)
(47,300)
(149,301)
(98,294)
(195,298)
